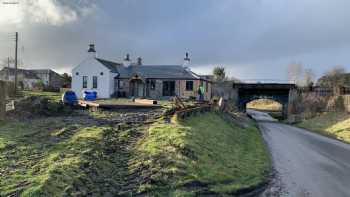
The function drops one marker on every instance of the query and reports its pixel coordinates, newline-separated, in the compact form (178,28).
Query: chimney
(186,60)
(92,51)
(127,60)
(139,61)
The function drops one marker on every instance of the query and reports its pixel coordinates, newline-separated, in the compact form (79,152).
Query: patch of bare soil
(117,153)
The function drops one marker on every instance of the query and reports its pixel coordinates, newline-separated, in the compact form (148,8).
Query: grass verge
(333,124)
(201,155)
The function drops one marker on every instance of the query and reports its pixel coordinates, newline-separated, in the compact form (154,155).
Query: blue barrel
(69,98)
(90,95)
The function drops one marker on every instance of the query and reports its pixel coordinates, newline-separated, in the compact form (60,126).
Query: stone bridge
(283,93)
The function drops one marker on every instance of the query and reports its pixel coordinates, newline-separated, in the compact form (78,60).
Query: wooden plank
(129,106)
(88,103)
(146,101)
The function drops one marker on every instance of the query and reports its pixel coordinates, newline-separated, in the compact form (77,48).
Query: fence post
(2,101)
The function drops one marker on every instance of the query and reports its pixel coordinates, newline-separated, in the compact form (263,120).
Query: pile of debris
(37,106)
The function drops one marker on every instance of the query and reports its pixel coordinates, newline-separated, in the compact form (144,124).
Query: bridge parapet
(266,81)
(286,86)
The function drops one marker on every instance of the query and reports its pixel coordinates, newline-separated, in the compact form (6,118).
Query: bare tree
(334,77)
(336,70)
(309,77)
(295,72)
(67,80)
(219,73)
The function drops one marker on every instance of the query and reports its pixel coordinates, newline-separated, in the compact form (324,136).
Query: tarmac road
(305,163)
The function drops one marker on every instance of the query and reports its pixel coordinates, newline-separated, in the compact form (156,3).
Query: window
(76,73)
(189,85)
(153,84)
(85,80)
(206,86)
(94,82)
(101,73)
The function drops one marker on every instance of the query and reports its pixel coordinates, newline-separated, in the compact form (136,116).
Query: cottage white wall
(112,88)
(91,67)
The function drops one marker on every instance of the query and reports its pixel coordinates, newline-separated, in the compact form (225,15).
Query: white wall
(112,89)
(91,67)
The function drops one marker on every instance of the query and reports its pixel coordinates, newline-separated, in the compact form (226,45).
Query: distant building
(28,77)
(49,77)
(129,79)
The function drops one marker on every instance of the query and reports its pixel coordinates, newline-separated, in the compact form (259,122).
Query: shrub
(39,85)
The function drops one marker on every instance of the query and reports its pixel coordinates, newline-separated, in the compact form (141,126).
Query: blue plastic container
(90,95)
(69,98)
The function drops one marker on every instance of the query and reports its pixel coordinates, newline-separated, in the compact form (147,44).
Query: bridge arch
(277,92)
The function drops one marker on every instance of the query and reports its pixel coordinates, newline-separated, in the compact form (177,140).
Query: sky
(252,39)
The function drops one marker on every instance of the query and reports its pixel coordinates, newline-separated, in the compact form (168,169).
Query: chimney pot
(139,61)
(186,57)
(92,48)
(127,57)
(186,60)
(127,60)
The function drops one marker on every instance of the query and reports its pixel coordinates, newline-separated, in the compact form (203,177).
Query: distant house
(129,79)
(28,77)
(49,77)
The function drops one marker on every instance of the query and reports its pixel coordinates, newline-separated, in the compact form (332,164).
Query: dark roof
(162,71)
(29,74)
(41,71)
(112,66)
(150,71)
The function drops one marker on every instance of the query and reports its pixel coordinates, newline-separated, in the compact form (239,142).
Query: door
(140,88)
(137,88)
(168,88)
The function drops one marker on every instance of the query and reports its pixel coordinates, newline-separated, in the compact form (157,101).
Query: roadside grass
(202,154)
(333,124)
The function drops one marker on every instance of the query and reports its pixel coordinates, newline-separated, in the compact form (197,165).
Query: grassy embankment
(333,124)
(78,156)
(265,105)
(203,155)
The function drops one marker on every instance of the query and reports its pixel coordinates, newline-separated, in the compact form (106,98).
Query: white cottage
(128,79)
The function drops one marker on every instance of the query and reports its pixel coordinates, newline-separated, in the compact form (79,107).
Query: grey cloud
(256,38)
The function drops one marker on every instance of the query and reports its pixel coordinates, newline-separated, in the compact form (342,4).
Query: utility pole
(16,49)
(8,69)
